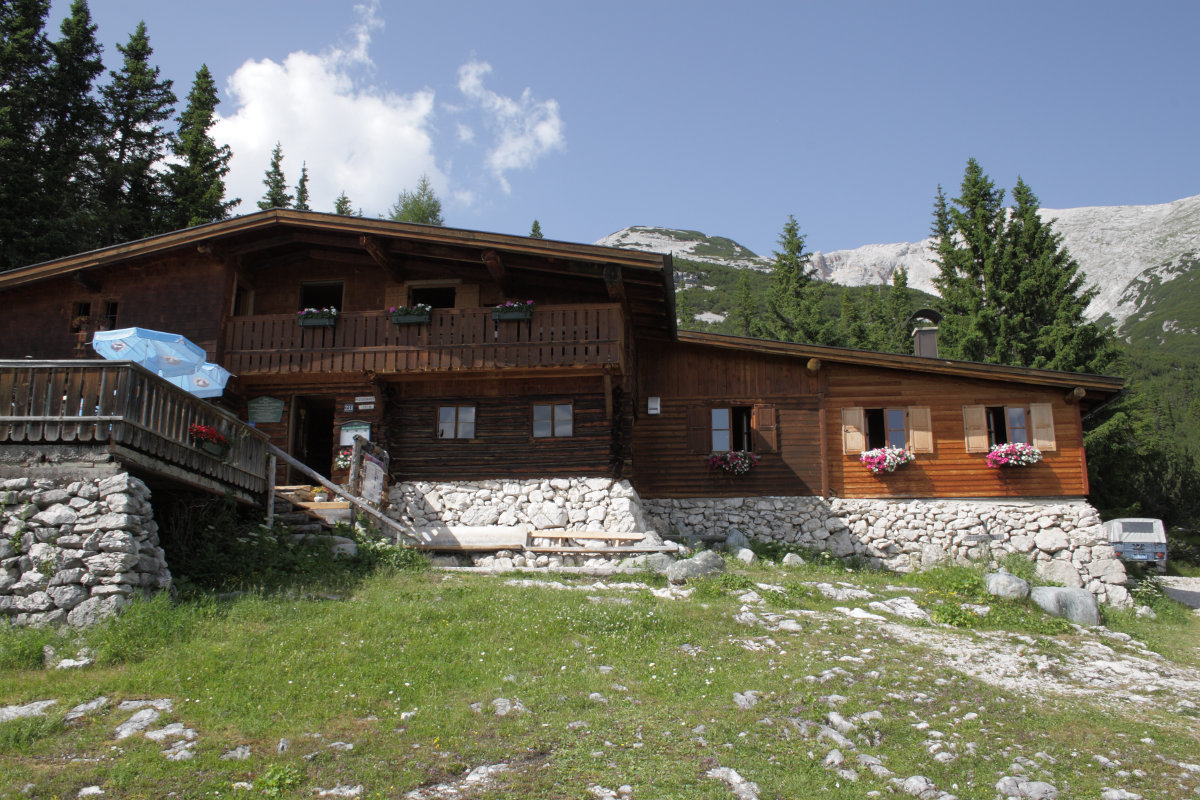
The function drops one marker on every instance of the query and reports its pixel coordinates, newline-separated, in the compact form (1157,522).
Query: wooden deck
(454,340)
(137,417)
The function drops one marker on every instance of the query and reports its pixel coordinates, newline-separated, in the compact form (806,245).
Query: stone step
(604,551)
(582,536)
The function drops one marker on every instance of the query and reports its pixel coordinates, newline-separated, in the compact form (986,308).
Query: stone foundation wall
(1064,538)
(76,551)
(573,504)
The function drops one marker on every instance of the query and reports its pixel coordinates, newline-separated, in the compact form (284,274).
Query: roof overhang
(1089,390)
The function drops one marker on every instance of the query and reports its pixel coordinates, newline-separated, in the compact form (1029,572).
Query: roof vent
(925,338)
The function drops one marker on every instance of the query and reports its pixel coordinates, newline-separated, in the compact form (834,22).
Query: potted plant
(885,459)
(208,440)
(513,309)
(317,317)
(343,458)
(1013,454)
(410,315)
(734,462)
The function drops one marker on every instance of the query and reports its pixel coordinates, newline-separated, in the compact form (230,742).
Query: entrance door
(314,434)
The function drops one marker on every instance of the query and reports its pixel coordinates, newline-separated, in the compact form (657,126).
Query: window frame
(982,422)
(554,421)
(757,422)
(859,435)
(457,422)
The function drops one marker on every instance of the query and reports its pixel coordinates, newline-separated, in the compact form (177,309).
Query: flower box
(317,322)
(733,462)
(513,309)
(1013,454)
(511,315)
(883,460)
(410,319)
(208,440)
(214,449)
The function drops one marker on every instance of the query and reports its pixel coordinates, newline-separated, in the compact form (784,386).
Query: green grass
(395,666)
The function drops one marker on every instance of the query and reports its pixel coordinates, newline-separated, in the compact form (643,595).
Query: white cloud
(526,130)
(465,134)
(367,142)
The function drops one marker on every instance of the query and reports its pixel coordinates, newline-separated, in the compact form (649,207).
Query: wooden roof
(644,281)
(1097,388)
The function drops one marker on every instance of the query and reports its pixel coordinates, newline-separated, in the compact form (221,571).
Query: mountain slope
(1126,252)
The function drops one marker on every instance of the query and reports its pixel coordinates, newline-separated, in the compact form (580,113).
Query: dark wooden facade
(600,341)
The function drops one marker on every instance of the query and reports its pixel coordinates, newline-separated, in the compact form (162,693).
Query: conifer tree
(535,231)
(24,64)
(897,308)
(136,103)
(196,183)
(343,206)
(277,194)
(743,314)
(301,203)
(421,205)
(793,301)
(1011,294)
(852,331)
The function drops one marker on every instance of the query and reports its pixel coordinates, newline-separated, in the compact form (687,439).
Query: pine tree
(136,103)
(1011,294)
(277,195)
(196,183)
(421,206)
(342,206)
(894,336)
(24,67)
(301,203)
(535,231)
(852,331)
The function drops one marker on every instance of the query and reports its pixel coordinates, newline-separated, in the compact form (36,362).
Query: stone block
(1059,571)
(1051,540)
(1077,605)
(56,515)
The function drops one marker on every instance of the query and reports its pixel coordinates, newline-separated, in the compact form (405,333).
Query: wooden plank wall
(188,299)
(685,375)
(950,471)
(504,446)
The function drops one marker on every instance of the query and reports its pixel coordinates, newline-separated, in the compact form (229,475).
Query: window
(326,294)
(456,422)
(871,428)
(987,426)
(432,296)
(552,420)
(724,428)
(110,315)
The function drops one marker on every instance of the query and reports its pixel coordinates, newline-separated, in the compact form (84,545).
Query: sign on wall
(265,409)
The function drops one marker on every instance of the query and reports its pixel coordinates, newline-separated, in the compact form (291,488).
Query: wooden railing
(119,404)
(453,340)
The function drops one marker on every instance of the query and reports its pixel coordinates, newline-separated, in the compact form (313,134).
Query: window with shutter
(699,429)
(920,429)
(764,429)
(975,426)
(1041,416)
(853,430)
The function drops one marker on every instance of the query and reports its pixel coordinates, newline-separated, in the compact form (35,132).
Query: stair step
(604,551)
(587,536)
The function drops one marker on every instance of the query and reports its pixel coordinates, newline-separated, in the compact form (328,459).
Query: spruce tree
(136,103)
(196,182)
(343,206)
(24,69)
(277,194)
(894,336)
(535,231)
(301,203)
(852,330)
(1011,294)
(791,314)
(743,314)
(421,205)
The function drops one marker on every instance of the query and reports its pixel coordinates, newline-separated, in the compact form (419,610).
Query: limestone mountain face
(1126,252)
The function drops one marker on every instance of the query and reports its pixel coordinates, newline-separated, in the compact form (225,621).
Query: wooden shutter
(975,428)
(1041,420)
(699,429)
(920,429)
(854,436)
(764,430)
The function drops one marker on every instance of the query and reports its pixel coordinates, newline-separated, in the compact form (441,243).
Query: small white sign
(348,407)
(367,399)
(366,406)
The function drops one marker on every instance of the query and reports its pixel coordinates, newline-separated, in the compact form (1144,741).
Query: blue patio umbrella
(167,354)
(208,380)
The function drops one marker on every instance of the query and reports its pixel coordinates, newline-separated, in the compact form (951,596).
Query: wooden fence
(132,413)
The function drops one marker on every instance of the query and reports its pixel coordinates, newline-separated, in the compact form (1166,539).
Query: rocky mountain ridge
(1121,249)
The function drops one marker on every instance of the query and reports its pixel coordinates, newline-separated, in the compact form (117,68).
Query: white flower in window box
(885,459)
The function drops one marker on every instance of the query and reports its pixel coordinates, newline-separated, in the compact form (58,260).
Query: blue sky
(718,117)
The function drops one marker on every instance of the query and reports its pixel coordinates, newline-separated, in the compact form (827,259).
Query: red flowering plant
(205,433)
(735,462)
(885,459)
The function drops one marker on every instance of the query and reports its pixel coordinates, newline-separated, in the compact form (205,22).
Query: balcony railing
(132,413)
(457,339)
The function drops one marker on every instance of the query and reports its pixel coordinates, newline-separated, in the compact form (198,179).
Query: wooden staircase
(299,509)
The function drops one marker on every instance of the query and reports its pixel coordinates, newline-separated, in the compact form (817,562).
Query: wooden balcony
(454,340)
(137,417)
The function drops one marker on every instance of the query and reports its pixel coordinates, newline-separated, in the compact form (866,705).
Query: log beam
(1076,394)
(389,265)
(813,366)
(495,267)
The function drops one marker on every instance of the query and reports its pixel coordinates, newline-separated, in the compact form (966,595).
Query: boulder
(706,562)
(1077,605)
(1059,571)
(1005,584)
(735,540)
